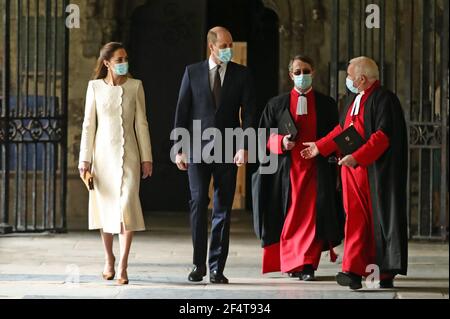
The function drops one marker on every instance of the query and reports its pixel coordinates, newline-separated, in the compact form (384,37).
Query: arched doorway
(166,36)
(257,26)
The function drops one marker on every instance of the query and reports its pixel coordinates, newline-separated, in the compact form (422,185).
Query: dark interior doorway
(249,21)
(165,36)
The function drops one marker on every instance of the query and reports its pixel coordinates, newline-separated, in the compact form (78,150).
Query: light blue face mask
(225,55)
(350,86)
(303,81)
(121,68)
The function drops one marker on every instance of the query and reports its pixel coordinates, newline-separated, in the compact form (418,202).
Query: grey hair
(366,66)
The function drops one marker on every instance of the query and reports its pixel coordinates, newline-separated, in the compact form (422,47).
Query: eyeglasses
(300,72)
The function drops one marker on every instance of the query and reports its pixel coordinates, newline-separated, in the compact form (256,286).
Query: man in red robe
(373,179)
(301,210)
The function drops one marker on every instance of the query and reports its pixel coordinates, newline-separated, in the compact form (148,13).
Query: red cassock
(298,245)
(359,242)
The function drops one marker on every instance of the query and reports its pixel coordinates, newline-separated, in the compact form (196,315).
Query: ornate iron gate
(33,116)
(412,50)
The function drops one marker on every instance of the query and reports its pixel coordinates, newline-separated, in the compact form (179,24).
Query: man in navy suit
(218,93)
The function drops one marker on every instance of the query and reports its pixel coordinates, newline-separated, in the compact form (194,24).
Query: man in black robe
(297,210)
(373,178)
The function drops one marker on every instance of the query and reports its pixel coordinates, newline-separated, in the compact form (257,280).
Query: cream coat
(115,139)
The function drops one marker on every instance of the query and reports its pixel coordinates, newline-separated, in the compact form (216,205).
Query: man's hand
(181,162)
(241,158)
(310,152)
(147,169)
(287,143)
(83,168)
(349,161)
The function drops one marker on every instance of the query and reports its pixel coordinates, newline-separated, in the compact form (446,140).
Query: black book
(349,140)
(287,126)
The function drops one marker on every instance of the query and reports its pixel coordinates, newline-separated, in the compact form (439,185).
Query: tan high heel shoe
(109,275)
(123,281)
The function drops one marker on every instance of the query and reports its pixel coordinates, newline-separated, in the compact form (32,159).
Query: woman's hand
(84,167)
(147,169)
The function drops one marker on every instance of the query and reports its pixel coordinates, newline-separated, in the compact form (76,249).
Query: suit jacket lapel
(205,82)
(226,82)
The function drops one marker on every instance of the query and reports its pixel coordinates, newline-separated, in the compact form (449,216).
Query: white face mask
(225,55)
(351,86)
(303,81)
(121,68)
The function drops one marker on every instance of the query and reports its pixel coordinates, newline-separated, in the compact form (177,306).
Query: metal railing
(33,116)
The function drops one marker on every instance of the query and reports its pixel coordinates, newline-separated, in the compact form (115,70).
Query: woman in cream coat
(115,148)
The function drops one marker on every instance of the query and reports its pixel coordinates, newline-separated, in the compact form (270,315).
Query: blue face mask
(225,55)
(350,86)
(303,81)
(121,68)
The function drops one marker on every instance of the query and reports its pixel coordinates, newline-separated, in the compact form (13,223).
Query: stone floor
(69,266)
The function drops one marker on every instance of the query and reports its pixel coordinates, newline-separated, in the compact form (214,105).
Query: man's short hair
(302,58)
(212,34)
(212,37)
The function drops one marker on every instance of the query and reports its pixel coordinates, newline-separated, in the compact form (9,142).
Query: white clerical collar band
(357,104)
(302,103)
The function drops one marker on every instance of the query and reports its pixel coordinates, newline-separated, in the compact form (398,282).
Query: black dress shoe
(348,279)
(308,277)
(217,278)
(307,273)
(387,283)
(197,273)
(295,274)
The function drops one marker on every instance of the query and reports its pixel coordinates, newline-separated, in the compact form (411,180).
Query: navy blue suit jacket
(196,101)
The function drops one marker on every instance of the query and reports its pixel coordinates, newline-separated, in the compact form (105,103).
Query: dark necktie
(217,88)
